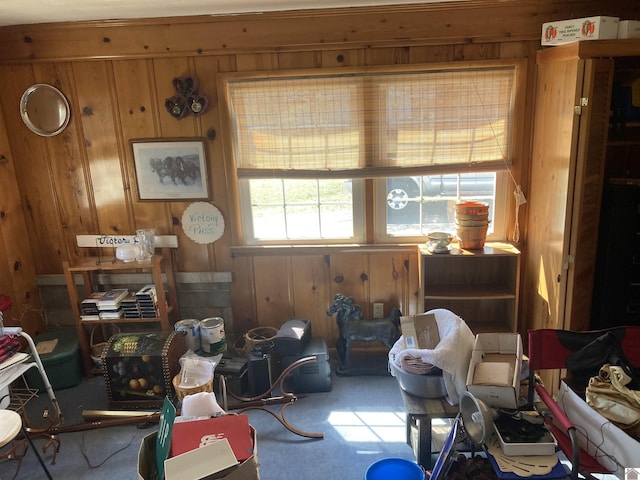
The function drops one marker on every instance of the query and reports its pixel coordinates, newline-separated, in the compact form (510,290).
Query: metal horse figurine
(353,328)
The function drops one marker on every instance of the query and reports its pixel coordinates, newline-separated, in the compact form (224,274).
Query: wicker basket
(472,238)
(98,348)
(182,392)
(259,337)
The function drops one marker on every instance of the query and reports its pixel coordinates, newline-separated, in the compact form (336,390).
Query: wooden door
(569,142)
(555,136)
(587,193)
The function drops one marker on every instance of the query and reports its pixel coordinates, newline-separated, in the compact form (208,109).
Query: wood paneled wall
(116,76)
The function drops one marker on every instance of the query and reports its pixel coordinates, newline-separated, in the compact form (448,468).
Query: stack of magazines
(110,305)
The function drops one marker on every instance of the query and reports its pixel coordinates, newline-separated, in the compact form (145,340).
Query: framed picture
(171,169)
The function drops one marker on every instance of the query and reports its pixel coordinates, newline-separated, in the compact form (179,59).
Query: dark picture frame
(171,169)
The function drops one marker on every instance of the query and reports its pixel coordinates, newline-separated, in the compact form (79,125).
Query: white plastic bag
(195,372)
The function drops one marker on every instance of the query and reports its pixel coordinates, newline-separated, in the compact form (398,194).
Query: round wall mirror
(44,109)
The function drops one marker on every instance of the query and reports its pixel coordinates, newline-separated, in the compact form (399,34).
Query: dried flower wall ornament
(187,98)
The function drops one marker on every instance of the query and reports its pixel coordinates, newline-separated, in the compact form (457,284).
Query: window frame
(357,194)
(499,220)
(369,216)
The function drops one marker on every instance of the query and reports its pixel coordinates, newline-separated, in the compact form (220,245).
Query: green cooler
(62,365)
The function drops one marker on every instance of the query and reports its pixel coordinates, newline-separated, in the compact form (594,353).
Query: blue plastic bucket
(394,469)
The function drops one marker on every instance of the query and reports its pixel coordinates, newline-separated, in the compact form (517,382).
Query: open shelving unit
(480,286)
(89,266)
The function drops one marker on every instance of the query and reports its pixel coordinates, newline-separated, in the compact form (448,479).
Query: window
(295,209)
(418,205)
(304,143)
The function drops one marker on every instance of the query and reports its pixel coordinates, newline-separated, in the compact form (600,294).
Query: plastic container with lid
(62,364)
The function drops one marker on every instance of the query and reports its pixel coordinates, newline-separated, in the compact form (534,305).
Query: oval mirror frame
(44,109)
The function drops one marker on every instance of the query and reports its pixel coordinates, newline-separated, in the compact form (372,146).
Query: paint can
(212,338)
(190,328)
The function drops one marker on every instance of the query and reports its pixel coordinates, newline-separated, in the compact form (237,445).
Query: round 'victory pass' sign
(202,222)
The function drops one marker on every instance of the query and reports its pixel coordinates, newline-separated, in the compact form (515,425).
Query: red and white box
(190,435)
(588,28)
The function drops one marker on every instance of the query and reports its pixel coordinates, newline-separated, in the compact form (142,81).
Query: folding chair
(548,350)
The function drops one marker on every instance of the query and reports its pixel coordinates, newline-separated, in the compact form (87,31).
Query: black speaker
(259,374)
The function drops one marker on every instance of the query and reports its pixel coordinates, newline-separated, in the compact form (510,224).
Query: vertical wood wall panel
(272,290)
(219,182)
(415,302)
(107,175)
(243,289)
(137,110)
(348,275)
(388,282)
(310,294)
(343,58)
(17,275)
(67,163)
(256,61)
(32,161)
(432,53)
(196,256)
(292,60)
(387,56)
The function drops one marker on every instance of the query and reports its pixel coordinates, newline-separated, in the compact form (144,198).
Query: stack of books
(147,301)
(110,305)
(120,303)
(89,306)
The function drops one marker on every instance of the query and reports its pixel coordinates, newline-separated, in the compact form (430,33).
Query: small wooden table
(420,415)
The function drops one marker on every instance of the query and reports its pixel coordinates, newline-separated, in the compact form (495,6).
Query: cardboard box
(588,28)
(420,331)
(247,470)
(192,434)
(491,351)
(629,29)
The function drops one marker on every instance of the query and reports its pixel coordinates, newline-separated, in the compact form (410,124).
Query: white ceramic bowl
(438,242)
(127,252)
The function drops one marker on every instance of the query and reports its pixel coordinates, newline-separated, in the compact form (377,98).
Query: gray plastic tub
(425,386)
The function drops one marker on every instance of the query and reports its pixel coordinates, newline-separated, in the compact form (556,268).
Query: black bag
(606,349)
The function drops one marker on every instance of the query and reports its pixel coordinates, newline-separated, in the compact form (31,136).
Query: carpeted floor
(362,419)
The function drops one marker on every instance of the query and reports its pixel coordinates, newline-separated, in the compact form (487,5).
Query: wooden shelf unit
(167,310)
(480,286)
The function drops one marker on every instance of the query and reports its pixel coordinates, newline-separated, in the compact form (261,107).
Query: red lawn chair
(548,350)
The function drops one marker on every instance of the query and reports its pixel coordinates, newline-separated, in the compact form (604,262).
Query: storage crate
(138,368)
(577,29)
(62,364)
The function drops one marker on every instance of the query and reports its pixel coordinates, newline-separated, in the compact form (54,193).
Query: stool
(10,426)
(420,415)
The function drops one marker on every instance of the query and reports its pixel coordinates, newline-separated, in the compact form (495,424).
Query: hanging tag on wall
(202,222)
